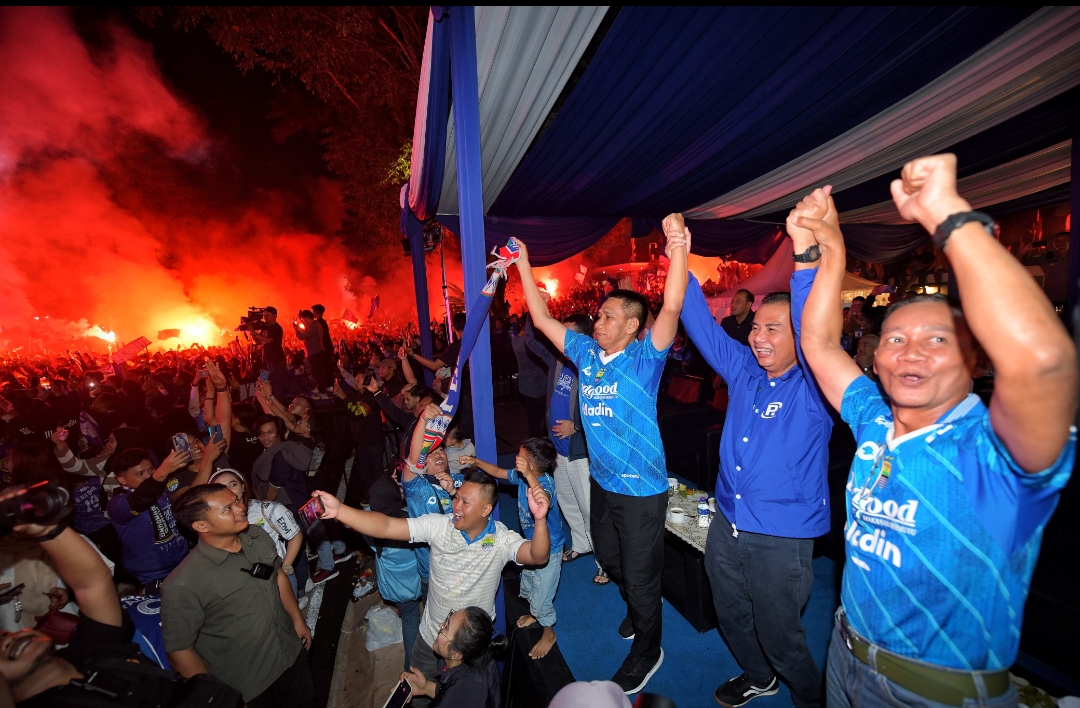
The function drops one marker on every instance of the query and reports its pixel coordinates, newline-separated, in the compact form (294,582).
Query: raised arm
(678,244)
(79,566)
(822,317)
(1035,388)
(406,367)
(211,452)
(537,347)
(538,550)
(542,319)
(218,408)
(416,445)
(372,523)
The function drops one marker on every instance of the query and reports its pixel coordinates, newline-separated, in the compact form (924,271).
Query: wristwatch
(808,256)
(945,229)
(288,569)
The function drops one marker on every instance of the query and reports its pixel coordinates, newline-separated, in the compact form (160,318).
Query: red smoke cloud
(112,214)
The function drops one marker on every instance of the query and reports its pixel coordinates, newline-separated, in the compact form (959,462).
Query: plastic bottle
(703,513)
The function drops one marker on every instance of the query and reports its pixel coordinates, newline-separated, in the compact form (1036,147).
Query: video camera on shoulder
(43,503)
(255,319)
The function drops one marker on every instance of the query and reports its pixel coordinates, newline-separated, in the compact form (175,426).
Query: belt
(948,686)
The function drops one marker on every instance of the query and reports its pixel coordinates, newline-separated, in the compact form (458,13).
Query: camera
(43,503)
(262,571)
(254,319)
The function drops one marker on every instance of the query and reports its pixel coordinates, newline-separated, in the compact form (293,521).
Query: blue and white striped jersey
(943,532)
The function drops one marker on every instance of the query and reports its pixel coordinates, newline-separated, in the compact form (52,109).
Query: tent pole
(471,209)
(1074,233)
(420,286)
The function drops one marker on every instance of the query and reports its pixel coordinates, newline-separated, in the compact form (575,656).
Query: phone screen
(311,511)
(264,375)
(400,696)
(215,432)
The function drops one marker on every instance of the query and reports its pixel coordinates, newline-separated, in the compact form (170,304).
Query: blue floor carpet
(694,664)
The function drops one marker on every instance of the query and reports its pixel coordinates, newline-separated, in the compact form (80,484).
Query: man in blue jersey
(771,490)
(947,499)
(618,378)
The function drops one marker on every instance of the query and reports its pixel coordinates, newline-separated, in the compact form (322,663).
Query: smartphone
(400,697)
(311,511)
(180,442)
(203,373)
(215,433)
(45,384)
(264,375)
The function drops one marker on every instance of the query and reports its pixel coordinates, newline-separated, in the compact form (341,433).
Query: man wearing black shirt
(737,325)
(272,351)
(100,666)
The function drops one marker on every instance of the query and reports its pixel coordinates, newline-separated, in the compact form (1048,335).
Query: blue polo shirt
(560,409)
(774,453)
(941,552)
(618,411)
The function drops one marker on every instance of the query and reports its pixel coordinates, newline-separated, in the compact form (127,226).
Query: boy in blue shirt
(142,515)
(946,499)
(619,375)
(535,463)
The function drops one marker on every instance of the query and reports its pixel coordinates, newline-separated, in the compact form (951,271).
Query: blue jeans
(538,586)
(849,682)
(326,538)
(410,626)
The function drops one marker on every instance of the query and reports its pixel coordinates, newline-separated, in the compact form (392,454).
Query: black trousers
(293,689)
(534,410)
(321,369)
(628,542)
(760,585)
(367,467)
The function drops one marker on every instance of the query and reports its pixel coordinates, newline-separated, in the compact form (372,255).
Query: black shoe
(634,674)
(741,690)
(626,628)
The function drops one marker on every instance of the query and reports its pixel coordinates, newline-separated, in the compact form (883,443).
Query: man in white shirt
(468,551)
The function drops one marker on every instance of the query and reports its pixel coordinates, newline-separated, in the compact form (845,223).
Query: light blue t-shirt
(423,497)
(560,409)
(554,518)
(618,412)
(941,550)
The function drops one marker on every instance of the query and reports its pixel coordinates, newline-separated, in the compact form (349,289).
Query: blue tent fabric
(425,194)
(549,240)
(642,135)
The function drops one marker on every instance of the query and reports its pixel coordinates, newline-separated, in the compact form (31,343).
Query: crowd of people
(209,490)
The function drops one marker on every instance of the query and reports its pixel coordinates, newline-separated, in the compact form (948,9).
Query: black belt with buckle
(948,686)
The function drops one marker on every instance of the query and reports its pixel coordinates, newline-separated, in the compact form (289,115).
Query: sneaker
(626,628)
(309,586)
(342,557)
(633,675)
(741,690)
(321,576)
(303,602)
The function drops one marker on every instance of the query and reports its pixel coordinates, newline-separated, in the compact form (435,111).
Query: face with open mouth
(771,339)
(924,358)
(24,652)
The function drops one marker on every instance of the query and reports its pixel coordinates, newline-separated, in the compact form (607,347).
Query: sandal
(601,578)
(568,556)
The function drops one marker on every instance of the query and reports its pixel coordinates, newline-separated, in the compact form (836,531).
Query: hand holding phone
(402,693)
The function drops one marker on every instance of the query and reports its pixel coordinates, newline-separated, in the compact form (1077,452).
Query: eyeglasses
(446,623)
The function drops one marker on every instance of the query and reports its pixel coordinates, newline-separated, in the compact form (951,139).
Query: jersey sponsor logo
(602,391)
(564,383)
(587,371)
(888,513)
(598,410)
(872,543)
(772,409)
(868,451)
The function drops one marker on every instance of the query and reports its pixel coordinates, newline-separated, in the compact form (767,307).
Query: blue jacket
(774,453)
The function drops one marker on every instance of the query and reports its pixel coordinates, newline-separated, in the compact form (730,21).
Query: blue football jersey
(943,531)
(618,411)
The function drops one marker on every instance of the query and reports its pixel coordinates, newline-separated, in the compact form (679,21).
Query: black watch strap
(810,255)
(52,534)
(952,223)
